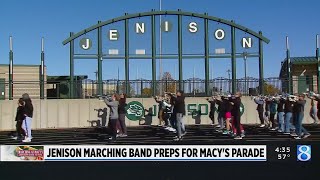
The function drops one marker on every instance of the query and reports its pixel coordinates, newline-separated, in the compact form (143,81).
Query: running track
(143,135)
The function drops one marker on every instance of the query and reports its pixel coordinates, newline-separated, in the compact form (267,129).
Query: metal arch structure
(153,14)
(137,15)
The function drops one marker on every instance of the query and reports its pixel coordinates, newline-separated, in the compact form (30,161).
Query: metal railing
(143,88)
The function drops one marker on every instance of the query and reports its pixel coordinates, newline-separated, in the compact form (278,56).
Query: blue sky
(28,21)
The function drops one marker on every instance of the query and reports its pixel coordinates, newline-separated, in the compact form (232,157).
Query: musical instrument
(102,97)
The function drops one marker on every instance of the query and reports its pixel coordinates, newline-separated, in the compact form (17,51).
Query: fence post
(10,69)
(261,78)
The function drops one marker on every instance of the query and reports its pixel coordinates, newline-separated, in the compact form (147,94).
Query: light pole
(160,49)
(96,84)
(229,71)
(245,54)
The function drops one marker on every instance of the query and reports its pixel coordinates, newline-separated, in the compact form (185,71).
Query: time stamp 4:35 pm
(303,153)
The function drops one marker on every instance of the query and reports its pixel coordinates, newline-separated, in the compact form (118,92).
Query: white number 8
(304,154)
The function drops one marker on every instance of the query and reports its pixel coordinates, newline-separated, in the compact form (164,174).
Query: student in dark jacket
(236,113)
(159,100)
(300,130)
(122,115)
(228,108)
(212,102)
(221,113)
(280,114)
(267,110)
(19,120)
(273,111)
(113,104)
(260,102)
(27,123)
(180,110)
(288,109)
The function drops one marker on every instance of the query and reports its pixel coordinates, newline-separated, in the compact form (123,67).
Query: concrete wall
(76,113)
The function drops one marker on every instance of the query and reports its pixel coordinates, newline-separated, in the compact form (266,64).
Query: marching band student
(236,101)
(288,108)
(26,125)
(228,108)
(273,111)
(280,114)
(233,113)
(167,113)
(313,110)
(20,133)
(317,98)
(160,109)
(122,115)
(212,102)
(267,111)
(221,112)
(113,104)
(179,108)
(300,103)
(259,101)
(294,118)
(173,115)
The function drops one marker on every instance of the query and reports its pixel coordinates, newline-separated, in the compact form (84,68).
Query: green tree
(123,89)
(147,92)
(269,89)
(168,83)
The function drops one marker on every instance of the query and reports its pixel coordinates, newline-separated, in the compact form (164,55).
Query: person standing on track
(113,104)
(179,107)
(228,116)
(300,130)
(313,110)
(212,102)
(236,102)
(267,111)
(273,111)
(159,100)
(27,123)
(221,113)
(259,101)
(19,120)
(280,113)
(122,115)
(288,106)
(167,113)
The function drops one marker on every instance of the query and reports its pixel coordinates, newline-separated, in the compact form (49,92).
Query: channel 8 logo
(303,152)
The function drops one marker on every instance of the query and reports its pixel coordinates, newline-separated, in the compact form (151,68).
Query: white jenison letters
(113,35)
(219,34)
(87,45)
(246,42)
(139,28)
(193,27)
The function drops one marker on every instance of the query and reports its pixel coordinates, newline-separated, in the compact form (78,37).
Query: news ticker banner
(153,153)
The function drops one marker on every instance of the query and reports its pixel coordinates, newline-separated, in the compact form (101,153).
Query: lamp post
(160,49)
(245,54)
(229,71)
(96,82)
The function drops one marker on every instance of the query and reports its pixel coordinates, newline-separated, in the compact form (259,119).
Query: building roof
(296,61)
(65,78)
(25,65)
(303,60)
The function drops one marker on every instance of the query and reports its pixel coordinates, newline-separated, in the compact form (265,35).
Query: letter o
(219,34)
